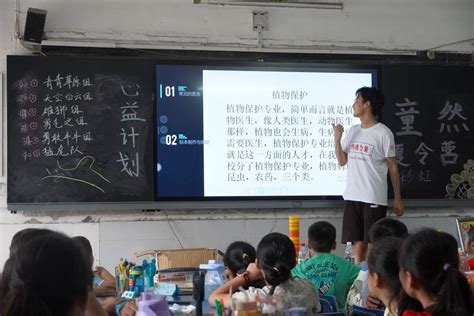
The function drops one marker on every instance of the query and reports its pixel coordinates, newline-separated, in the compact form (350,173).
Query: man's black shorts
(358,218)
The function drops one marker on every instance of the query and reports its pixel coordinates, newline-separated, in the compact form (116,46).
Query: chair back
(326,306)
(332,300)
(365,311)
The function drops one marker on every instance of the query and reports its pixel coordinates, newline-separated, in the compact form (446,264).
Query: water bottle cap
(218,262)
(349,243)
(210,266)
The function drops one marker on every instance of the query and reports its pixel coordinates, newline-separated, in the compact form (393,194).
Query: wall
(121,234)
(370,26)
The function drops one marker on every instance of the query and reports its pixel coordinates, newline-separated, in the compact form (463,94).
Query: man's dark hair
(322,236)
(374,96)
(387,227)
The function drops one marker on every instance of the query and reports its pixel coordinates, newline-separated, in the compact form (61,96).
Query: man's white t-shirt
(367,152)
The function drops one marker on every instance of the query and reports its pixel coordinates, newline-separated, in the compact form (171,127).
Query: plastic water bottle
(349,253)
(364,270)
(303,254)
(214,276)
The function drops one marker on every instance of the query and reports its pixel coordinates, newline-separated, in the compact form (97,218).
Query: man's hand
(398,207)
(338,130)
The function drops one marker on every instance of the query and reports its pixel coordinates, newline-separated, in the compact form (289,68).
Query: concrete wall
(370,26)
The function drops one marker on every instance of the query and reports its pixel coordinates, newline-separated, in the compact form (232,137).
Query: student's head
(322,237)
(383,279)
(387,227)
(46,275)
(86,249)
(429,267)
(368,98)
(237,257)
(19,239)
(276,256)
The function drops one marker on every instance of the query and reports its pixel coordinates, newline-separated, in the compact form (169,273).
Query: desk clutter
(162,286)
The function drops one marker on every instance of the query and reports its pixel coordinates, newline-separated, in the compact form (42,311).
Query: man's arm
(340,154)
(395,178)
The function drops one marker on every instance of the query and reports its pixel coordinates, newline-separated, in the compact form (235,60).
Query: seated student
(383,279)
(19,239)
(94,307)
(237,257)
(276,256)
(429,272)
(330,274)
(469,242)
(358,293)
(104,281)
(44,275)
(469,247)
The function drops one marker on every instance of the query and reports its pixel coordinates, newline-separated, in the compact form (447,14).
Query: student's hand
(398,207)
(104,291)
(109,279)
(104,274)
(254,273)
(130,309)
(109,304)
(373,302)
(338,130)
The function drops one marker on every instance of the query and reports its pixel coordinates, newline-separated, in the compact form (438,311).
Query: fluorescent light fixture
(312,4)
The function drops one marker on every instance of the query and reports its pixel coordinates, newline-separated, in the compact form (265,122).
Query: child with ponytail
(276,256)
(429,272)
(237,258)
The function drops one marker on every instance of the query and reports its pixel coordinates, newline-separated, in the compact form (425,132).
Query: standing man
(369,151)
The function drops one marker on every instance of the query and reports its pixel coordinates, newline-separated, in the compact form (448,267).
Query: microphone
(198,290)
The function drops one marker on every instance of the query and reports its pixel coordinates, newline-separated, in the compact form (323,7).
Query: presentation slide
(252,132)
(270,134)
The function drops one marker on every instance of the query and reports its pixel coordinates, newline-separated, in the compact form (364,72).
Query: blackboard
(82,129)
(79,130)
(430,109)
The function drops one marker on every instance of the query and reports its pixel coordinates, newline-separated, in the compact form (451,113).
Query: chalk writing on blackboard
(407,116)
(61,172)
(130,164)
(63,125)
(423,151)
(460,187)
(448,113)
(70,119)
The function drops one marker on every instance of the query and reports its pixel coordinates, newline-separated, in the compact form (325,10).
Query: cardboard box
(181,258)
